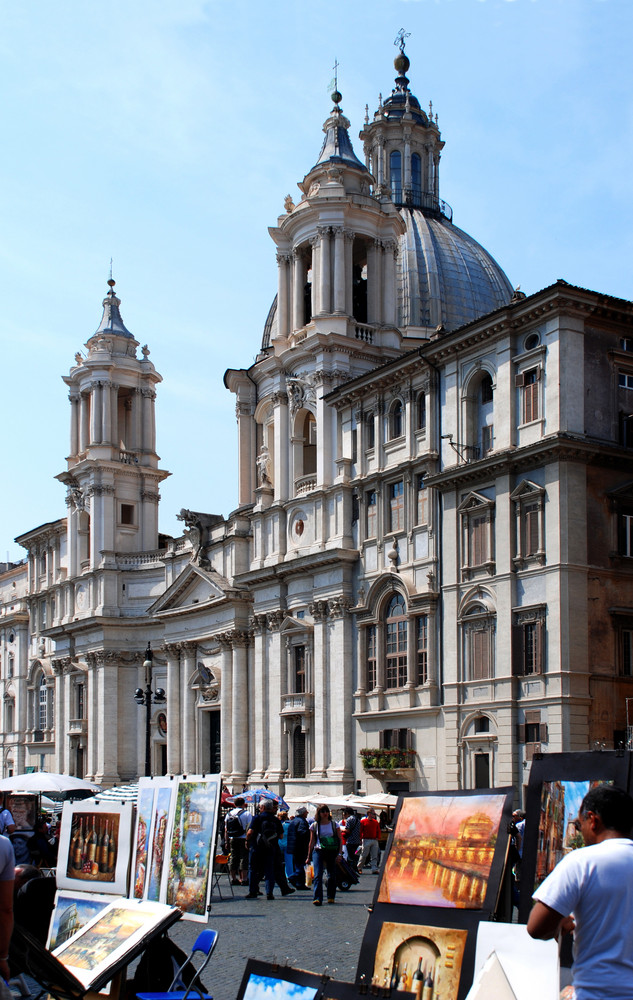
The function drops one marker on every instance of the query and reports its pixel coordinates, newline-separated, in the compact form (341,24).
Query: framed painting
(164,799)
(557,785)
(94,846)
(24,808)
(187,877)
(147,788)
(112,939)
(430,950)
(268,981)
(447,849)
(73,910)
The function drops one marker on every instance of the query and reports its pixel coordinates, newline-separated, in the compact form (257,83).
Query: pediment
(295,626)
(526,488)
(474,500)
(191,589)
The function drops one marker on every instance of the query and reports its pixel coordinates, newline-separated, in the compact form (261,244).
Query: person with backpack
(325,849)
(235,827)
(262,841)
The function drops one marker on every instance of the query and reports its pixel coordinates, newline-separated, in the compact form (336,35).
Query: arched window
(42,703)
(370,431)
(396,643)
(309,444)
(416,179)
(395,172)
(478,629)
(395,420)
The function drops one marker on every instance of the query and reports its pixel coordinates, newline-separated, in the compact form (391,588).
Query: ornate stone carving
(198,531)
(301,390)
(318,610)
(263,467)
(150,495)
(339,606)
(259,624)
(279,399)
(275,618)
(60,665)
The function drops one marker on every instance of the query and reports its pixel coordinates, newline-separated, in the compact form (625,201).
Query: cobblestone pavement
(289,930)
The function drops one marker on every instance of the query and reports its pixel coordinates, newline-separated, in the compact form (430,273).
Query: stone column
(95,414)
(325,275)
(282,445)
(173,710)
(406,176)
(84,421)
(297,289)
(239,728)
(259,689)
(106,417)
(349,272)
(283,295)
(381,161)
(374,276)
(316,272)
(21,703)
(114,416)
(226,707)
(389,283)
(340,688)
(340,273)
(106,717)
(188,713)
(245,445)
(58,672)
(318,610)
(274,769)
(74,423)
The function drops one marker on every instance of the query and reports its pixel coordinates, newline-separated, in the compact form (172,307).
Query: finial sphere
(337,97)
(401,63)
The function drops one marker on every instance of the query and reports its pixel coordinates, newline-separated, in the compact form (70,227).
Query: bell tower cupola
(112,473)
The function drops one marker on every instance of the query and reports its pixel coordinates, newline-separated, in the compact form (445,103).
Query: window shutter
(519,380)
(542,732)
(538,651)
(533,716)
(521,733)
(539,373)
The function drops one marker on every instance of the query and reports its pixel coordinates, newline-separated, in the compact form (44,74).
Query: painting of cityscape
(443,849)
(557,834)
(419,959)
(192,848)
(73,910)
(164,791)
(144,812)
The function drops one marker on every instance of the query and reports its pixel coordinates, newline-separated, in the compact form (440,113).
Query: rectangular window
(370,431)
(396,506)
(626,534)
(371,514)
(396,648)
(422,633)
(478,531)
(627,653)
(487,436)
(299,669)
(354,445)
(371,657)
(80,701)
(528,645)
(127,513)
(528,382)
(530,529)
(395,739)
(480,650)
(625,380)
(626,343)
(421,512)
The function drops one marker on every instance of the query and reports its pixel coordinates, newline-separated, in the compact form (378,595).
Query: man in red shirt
(369,834)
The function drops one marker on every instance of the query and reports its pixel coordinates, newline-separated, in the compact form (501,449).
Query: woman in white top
(324,850)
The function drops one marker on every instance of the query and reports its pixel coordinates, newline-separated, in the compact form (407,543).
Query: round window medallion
(299,527)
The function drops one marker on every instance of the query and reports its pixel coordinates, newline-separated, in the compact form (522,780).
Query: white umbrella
(42,781)
(118,793)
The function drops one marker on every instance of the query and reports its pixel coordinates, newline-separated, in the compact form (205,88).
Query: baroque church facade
(429,574)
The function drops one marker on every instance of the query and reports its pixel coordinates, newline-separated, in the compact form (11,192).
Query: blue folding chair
(204,943)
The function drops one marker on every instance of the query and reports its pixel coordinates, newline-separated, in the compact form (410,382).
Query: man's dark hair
(613,805)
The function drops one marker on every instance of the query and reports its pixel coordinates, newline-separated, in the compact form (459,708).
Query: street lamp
(145,696)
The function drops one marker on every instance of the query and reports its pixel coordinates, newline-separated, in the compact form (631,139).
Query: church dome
(446,277)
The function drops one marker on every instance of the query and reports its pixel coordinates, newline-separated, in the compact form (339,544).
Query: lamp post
(145,696)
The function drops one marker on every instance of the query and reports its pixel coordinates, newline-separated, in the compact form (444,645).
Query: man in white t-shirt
(590,892)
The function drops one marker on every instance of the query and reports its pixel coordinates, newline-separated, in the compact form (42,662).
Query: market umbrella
(54,785)
(255,795)
(118,793)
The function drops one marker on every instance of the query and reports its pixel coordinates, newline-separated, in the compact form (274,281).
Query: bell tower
(112,471)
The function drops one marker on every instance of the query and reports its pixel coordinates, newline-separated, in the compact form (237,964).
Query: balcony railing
(298,703)
(414,197)
(305,483)
(128,457)
(388,759)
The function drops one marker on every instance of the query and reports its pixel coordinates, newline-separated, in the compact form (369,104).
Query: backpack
(269,836)
(234,826)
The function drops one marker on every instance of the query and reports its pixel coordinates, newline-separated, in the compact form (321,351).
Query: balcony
(300,703)
(77,727)
(389,764)
(305,484)
(128,457)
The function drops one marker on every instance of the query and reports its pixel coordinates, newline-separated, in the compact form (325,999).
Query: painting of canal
(557,833)
(442,851)
(192,844)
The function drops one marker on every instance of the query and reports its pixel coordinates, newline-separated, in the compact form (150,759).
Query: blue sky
(166,133)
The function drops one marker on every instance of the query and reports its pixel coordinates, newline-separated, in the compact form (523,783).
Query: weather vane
(400,37)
